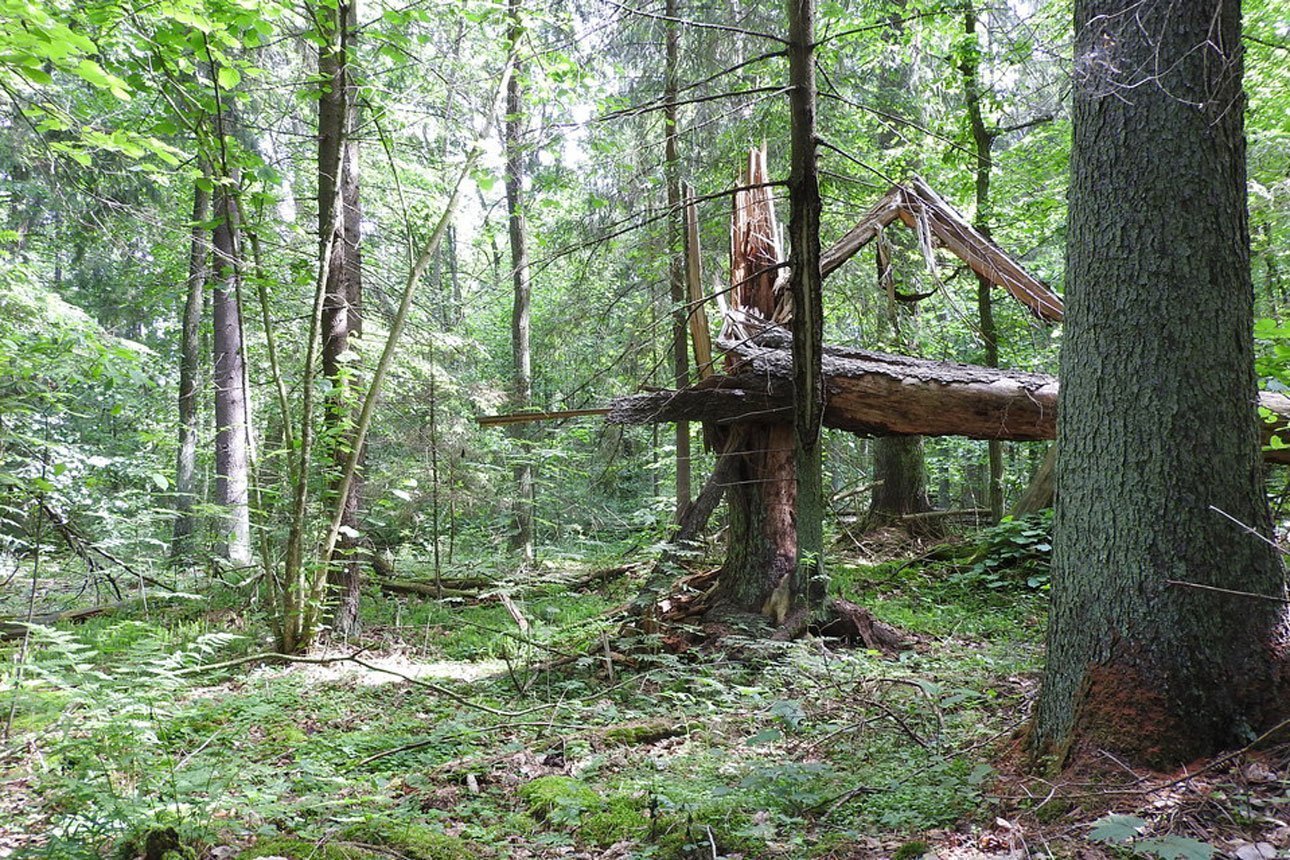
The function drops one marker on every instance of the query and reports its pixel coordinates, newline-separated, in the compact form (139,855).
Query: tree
(521,354)
(338,183)
(806,286)
(189,367)
(232,429)
(1152,652)
(983,143)
(676,251)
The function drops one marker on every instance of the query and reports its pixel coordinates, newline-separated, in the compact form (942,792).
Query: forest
(446,429)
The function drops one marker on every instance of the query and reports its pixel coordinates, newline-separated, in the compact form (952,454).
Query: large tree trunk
(983,141)
(761,494)
(189,368)
(1148,656)
(521,355)
(676,251)
(761,553)
(900,479)
(805,286)
(342,319)
(232,449)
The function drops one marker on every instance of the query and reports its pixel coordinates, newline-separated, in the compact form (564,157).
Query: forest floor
(446,731)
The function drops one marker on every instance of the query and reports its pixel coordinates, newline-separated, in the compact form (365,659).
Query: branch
(701,25)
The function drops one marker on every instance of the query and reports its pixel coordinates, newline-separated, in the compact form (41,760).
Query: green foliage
(1126,830)
(416,841)
(623,819)
(562,800)
(1013,554)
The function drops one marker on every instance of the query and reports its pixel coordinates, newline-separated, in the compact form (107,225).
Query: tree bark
(1039,493)
(676,250)
(983,142)
(761,492)
(232,462)
(1159,289)
(805,286)
(189,368)
(900,479)
(761,555)
(342,314)
(882,395)
(521,355)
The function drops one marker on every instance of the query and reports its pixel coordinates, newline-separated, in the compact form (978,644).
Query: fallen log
(13,628)
(878,394)
(424,589)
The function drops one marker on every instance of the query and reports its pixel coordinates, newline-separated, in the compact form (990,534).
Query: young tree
(521,355)
(806,286)
(983,139)
(338,182)
(1166,609)
(676,251)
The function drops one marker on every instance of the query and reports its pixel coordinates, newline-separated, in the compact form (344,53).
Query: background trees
(617,101)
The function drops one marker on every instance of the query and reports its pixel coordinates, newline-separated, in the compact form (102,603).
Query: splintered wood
(758,278)
(915,204)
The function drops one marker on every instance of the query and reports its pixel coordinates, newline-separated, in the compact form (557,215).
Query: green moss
(559,799)
(157,843)
(911,850)
(294,848)
(416,841)
(620,821)
(685,836)
(642,733)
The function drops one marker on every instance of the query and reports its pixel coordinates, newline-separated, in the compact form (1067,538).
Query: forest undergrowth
(467,728)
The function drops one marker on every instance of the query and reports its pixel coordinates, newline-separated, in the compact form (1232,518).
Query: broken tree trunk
(937,222)
(877,394)
(761,493)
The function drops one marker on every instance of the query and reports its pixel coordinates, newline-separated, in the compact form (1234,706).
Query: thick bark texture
(761,493)
(189,369)
(1158,350)
(876,394)
(342,319)
(762,551)
(806,288)
(232,449)
(521,355)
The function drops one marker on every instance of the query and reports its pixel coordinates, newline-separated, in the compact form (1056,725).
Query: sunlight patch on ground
(386,669)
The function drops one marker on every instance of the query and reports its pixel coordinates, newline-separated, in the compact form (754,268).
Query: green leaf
(229,77)
(1174,848)
(160,480)
(1116,828)
(765,736)
(94,74)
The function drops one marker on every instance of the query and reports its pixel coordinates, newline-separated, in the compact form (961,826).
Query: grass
(760,750)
